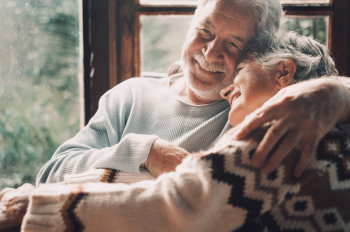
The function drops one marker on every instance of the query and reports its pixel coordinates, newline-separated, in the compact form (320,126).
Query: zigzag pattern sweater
(218,192)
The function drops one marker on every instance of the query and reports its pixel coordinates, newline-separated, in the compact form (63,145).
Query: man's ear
(287,69)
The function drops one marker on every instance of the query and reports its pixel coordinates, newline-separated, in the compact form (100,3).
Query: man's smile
(208,70)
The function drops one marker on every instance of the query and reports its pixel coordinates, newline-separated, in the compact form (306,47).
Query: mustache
(212,67)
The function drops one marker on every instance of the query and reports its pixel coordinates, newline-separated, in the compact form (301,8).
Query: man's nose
(225,93)
(213,51)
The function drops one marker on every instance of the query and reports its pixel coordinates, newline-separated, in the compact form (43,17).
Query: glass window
(315,27)
(194,3)
(39,88)
(162,40)
(305,1)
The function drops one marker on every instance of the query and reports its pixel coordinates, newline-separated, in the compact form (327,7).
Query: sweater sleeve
(218,192)
(102,143)
(186,200)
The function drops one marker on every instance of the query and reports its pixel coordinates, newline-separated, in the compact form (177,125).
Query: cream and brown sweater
(218,192)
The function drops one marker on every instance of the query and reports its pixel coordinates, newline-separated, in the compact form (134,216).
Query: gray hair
(312,58)
(267,14)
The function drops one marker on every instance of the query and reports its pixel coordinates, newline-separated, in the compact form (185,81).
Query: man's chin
(203,89)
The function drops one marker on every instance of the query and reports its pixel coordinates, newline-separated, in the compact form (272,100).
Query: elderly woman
(273,66)
(216,190)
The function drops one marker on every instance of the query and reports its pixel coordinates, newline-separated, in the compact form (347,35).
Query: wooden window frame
(111,36)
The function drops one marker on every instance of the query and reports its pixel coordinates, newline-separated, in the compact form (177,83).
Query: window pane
(305,1)
(194,3)
(162,41)
(39,91)
(312,27)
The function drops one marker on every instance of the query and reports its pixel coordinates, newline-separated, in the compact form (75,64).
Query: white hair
(312,58)
(267,14)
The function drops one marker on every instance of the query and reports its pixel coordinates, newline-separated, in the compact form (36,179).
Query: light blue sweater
(130,117)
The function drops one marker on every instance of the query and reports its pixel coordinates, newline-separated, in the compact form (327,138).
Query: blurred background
(39,92)
(39,66)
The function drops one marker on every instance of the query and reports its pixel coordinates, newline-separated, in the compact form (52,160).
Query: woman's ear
(287,69)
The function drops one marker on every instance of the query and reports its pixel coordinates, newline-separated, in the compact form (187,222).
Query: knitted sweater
(217,192)
(130,117)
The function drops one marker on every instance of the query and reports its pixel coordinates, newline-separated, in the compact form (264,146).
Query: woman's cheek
(238,112)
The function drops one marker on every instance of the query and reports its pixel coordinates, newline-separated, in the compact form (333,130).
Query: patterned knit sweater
(217,192)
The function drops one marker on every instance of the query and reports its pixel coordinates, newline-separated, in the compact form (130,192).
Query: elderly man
(137,118)
(192,198)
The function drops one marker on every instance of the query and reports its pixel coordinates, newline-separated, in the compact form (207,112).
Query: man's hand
(164,157)
(13,207)
(303,114)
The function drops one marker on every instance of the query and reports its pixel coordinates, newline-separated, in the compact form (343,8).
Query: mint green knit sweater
(130,117)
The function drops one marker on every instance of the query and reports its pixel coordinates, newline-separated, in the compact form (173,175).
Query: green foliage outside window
(39,95)
(315,27)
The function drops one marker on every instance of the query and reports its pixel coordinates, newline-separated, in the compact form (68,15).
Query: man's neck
(182,92)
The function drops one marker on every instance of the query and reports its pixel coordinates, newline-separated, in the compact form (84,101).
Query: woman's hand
(303,114)
(13,207)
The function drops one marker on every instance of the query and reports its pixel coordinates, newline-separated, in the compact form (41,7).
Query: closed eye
(205,33)
(233,44)
(233,47)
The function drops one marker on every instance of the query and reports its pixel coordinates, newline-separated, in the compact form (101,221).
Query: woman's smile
(252,86)
(233,96)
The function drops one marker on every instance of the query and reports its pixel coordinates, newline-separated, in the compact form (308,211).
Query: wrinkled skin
(215,40)
(164,157)
(303,114)
(13,207)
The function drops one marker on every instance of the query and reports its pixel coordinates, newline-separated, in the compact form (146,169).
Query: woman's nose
(225,93)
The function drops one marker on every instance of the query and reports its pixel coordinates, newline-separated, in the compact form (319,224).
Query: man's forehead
(228,11)
(228,8)
(208,18)
(208,23)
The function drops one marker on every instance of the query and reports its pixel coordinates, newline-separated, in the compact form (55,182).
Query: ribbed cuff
(128,154)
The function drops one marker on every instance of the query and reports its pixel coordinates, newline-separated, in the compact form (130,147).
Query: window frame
(112,50)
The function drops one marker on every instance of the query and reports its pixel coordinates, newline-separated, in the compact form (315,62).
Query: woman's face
(251,88)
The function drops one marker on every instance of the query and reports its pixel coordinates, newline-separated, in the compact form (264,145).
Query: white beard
(206,89)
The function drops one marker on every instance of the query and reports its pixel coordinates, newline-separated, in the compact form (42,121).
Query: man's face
(213,45)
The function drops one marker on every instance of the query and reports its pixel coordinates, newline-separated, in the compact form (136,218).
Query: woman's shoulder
(319,199)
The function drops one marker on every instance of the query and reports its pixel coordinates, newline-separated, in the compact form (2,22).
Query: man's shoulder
(137,87)
(144,82)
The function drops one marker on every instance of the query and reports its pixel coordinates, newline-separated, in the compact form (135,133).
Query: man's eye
(234,45)
(205,33)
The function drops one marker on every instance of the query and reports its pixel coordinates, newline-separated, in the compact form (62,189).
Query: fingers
(164,157)
(286,146)
(271,138)
(26,187)
(252,122)
(309,150)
